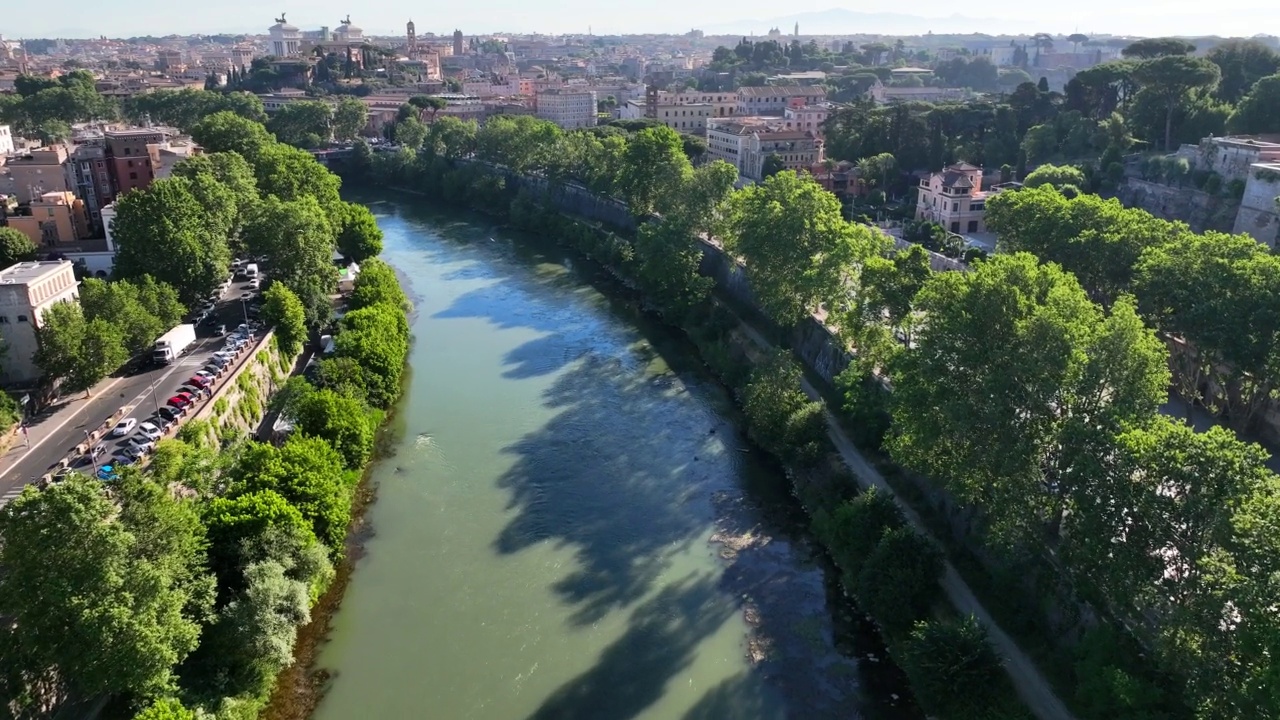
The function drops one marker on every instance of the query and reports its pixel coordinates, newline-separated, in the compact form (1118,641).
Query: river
(568,524)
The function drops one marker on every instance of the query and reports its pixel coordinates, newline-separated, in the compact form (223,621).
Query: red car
(199,381)
(179,401)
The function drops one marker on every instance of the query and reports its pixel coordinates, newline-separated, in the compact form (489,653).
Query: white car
(149,431)
(123,427)
(143,444)
(207,375)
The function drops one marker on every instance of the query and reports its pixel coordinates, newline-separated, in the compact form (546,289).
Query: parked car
(150,431)
(180,401)
(142,444)
(199,381)
(123,427)
(169,414)
(107,473)
(217,362)
(96,451)
(134,452)
(220,329)
(214,369)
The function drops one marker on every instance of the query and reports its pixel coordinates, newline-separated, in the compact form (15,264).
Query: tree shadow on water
(613,475)
(659,643)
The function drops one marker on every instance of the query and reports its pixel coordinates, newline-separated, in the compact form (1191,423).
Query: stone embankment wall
(240,403)
(1196,208)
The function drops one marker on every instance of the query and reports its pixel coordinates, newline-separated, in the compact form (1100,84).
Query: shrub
(898,584)
(854,529)
(954,672)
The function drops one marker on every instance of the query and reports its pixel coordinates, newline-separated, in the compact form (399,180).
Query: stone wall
(240,403)
(1196,208)
(1258,212)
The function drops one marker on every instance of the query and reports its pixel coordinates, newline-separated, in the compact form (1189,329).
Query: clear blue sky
(123,18)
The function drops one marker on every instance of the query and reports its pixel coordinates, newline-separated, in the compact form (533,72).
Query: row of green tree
(1159,97)
(183,585)
(1016,391)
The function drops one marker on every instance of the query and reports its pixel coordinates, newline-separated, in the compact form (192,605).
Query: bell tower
(411,34)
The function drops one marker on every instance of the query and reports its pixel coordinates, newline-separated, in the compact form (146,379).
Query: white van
(251,270)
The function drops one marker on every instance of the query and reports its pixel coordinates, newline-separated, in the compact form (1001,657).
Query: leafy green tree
(349,118)
(377,338)
(669,263)
(1243,63)
(164,232)
(74,351)
(255,632)
(520,142)
(877,169)
(359,236)
(854,529)
(798,248)
(119,304)
(93,609)
(450,137)
(1055,176)
(235,520)
(305,123)
(1221,293)
(283,311)
(1016,348)
(889,288)
(228,132)
(1150,48)
(409,132)
(15,247)
(377,284)
(234,173)
(782,419)
(954,671)
(653,166)
(165,709)
(343,376)
(185,108)
(307,472)
(1171,79)
(1259,111)
(1098,240)
(898,583)
(299,241)
(771,165)
(343,422)
(1179,527)
(293,174)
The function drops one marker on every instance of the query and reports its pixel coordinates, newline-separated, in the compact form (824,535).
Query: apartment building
(134,157)
(36,172)
(686,118)
(746,142)
(53,219)
(774,99)
(6,140)
(954,199)
(568,109)
(89,176)
(27,290)
(724,103)
(807,118)
(885,94)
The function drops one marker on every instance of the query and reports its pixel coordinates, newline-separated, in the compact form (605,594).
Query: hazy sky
(126,18)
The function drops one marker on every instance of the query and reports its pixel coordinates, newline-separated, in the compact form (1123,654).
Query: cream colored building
(27,290)
(725,103)
(954,199)
(570,110)
(686,118)
(746,142)
(807,118)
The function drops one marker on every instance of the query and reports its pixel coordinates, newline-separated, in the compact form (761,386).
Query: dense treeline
(182,585)
(1156,98)
(1027,390)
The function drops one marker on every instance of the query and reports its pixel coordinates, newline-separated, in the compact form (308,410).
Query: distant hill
(839,21)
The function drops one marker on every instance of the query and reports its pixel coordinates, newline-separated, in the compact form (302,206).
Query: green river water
(568,525)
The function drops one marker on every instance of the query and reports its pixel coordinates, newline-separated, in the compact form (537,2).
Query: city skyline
(1150,18)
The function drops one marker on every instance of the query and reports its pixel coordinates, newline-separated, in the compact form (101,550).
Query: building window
(4,319)
(133,176)
(22,318)
(955,207)
(126,151)
(973,226)
(955,227)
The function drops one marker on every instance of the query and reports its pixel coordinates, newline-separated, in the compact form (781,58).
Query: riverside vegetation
(177,591)
(1026,392)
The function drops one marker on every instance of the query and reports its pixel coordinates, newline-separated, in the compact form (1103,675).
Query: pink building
(954,199)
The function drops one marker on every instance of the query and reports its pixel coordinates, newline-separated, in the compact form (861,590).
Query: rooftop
(25,273)
(780,91)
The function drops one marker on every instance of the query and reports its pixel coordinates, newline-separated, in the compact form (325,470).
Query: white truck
(251,270)
(173,343)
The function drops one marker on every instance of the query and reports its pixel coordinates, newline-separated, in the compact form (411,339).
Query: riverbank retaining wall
(237,407)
